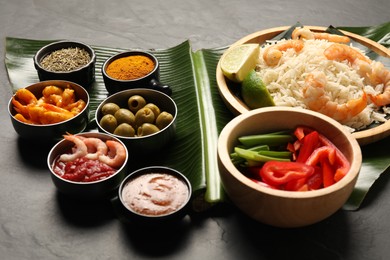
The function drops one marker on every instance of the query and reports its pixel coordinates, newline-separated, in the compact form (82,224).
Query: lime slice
(254,93)
(237,61)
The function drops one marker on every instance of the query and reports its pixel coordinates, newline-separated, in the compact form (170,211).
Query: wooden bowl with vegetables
(287,167)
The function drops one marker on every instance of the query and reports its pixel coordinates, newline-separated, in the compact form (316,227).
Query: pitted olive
(135,103)
(144,115)
(110,108)
(147,129)
(108,123)
(124,115)
(125,129)
(154,108)
(164,119)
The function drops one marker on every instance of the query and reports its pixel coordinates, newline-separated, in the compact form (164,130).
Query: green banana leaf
(202,113)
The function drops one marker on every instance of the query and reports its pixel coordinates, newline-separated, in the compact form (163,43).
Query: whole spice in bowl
(66,59)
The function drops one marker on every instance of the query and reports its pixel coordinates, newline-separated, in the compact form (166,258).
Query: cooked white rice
(285,81)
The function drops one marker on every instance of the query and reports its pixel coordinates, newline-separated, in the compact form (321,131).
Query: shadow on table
(85,213)
(34,152)
(328,239)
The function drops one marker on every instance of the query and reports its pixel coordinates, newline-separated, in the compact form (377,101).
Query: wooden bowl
(237,106)
(278,207)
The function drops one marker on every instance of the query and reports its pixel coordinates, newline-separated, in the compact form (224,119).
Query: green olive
(164,119)
(125,129)
(135,103)
(108,123)
(154,108)
(109,108)
(124,115)
(144,115)
(147,129)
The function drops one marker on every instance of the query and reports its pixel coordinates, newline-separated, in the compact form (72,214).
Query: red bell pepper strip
(296,185)
(314,182)
(327,173)
(342,162)
(320,154)
(309,143)
(276,173)
(301,131)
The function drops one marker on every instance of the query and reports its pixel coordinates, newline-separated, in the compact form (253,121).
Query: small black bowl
(151,80)
(143,145)
(51,132)
(84,75)
(86,191)
(160,194)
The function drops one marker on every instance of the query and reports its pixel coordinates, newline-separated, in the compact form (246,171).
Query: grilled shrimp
(316,99)
(273,53)
(380,75)
(304,33)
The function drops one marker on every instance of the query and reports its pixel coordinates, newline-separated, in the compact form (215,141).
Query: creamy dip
(155,194)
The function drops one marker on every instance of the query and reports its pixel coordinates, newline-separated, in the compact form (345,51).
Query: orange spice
(131,67)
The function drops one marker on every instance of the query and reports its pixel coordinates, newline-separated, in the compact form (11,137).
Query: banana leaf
(202,113)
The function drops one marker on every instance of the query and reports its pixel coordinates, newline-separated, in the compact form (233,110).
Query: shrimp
(380,75)
(52,117)
(341,52)
(54,114)
(78,151)
(68,97)
(52,95)
(76,107)
(96,147)
(52,90)
(116,154)
(316,99)
(21,118)
(273,53)
(304,33)
(22,99)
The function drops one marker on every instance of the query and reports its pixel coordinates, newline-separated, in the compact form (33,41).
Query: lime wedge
(254,93)
(237,61)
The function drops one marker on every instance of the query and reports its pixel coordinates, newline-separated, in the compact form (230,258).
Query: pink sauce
(155,194)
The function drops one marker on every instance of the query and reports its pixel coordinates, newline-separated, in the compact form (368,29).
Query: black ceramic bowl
(84,75)
(150,80)
(86,190)
(155,195)
(143,144)
(51,132)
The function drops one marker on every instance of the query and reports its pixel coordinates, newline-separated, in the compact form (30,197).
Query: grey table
(37,223)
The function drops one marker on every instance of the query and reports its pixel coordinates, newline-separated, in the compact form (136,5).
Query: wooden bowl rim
(224,155)
(237,106)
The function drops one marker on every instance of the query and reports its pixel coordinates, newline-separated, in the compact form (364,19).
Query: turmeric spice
(131,67)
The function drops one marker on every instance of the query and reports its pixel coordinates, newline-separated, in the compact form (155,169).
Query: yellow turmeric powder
(131,67)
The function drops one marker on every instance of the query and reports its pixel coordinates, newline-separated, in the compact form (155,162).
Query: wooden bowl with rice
(230,94)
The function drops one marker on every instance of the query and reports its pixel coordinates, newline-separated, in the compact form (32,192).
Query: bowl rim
(43,51)
(224,157)
(152,169)
(93,134)
(44,84)
(127,54)
(237,106)
(127,138)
